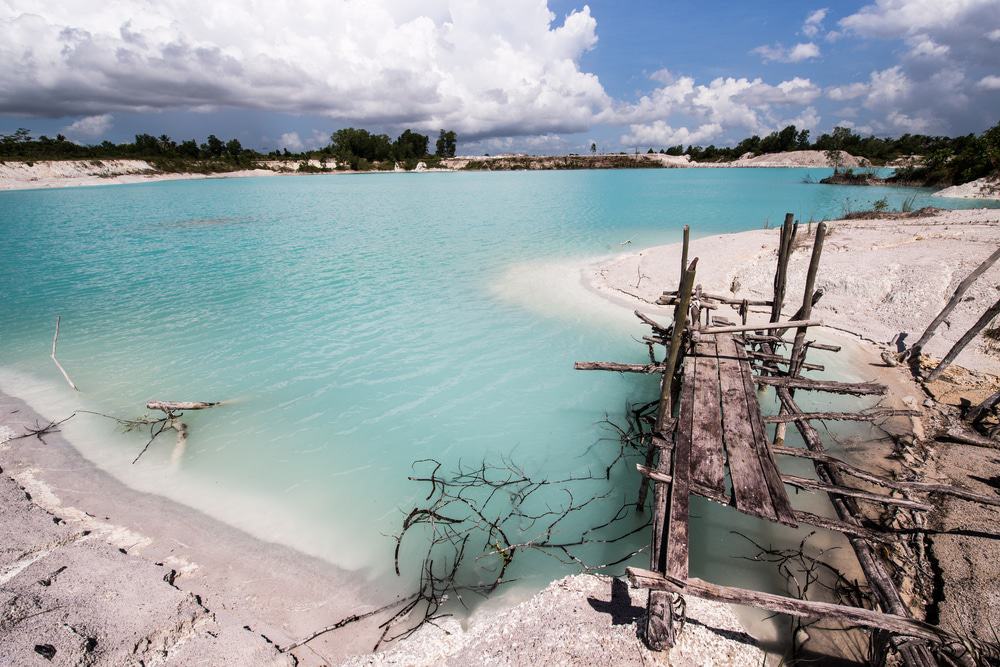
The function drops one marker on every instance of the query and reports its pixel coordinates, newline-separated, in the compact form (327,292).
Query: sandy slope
(797,159)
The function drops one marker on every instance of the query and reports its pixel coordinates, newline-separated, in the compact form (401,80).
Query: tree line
(350,147)
(946,160)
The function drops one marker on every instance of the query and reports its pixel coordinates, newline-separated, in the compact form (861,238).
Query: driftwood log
(179,406)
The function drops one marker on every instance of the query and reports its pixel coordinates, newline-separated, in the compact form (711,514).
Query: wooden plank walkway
(729,414)
(719,427)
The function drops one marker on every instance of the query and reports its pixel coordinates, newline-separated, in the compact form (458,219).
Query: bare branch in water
(40,430)
(475,521)
(55,341)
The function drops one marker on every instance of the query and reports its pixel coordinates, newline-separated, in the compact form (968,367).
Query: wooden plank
(779,499)
(836,525)
(898,484)
(707,455)
(874,414)
(616,367)
(813,485)
(680,487)
(749,485)
(831,386)
(781,604)
(761,327)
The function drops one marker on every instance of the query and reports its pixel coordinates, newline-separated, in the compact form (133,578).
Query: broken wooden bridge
(709,428)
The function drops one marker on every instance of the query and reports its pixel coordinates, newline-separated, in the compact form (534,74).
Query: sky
(531,76)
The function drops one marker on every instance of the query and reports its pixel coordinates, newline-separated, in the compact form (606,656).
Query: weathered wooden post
(784,251)
(684,254)
(807,301)
(659,616)
(651,452)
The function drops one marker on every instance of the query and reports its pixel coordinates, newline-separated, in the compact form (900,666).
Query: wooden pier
(709,428)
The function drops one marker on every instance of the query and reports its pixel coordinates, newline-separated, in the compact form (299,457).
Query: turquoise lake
(356,324)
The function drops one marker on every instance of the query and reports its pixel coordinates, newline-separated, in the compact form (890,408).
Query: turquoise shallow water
(356,322)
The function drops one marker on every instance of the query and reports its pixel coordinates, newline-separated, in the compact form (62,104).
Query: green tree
(188,149)
(213,147)
(446,144)
(234,149)
(410,145)
(802,141)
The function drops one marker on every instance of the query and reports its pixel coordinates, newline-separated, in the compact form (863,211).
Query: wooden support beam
(898,484)
(813,485)
(670,298)
(778,359)
(831,386)
(874,414)
(898,625)
(955,299)
(823,346)
(651,322)
(617,367)
(872,564)
(761,327)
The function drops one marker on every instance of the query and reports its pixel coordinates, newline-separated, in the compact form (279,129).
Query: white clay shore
(981,188)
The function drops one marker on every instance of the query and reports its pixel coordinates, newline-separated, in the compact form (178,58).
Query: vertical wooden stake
(784,251)
(684,256)
(680,322)
(670,363)
(807,300)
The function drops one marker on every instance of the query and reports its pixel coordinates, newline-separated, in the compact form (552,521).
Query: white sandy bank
(881,277)
(73,173)
(981,188)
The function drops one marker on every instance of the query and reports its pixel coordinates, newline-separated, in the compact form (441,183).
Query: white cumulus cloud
(814,22)
(292,141)
(795,54)
(448,63)
(89,127)
(991,82)
(660,134)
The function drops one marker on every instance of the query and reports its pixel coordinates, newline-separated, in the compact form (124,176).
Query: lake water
(356,324)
